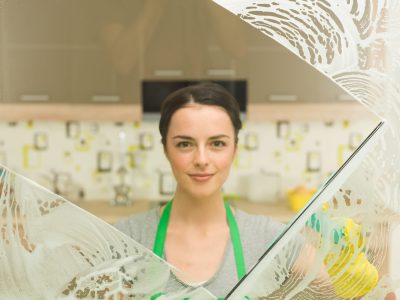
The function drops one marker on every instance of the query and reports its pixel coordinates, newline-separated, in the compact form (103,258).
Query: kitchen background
(72,105)
(73,109)
(90,160)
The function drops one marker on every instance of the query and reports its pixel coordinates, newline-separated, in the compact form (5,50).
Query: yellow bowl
(299,197)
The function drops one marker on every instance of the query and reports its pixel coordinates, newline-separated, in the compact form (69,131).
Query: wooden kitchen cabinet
(195,45)
(224,67)
(277,75)
(93,82)
(269,74)
(52,52)
(164,56)
(227,44)
(31,66)
(32,75)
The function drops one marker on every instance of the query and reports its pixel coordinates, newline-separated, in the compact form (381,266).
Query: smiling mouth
(200,177)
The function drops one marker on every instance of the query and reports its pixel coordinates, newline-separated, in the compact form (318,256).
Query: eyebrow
(215,137)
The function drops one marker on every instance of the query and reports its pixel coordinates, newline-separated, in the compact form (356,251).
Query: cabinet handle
(105,98)
(168,73)
(221,72)
(34,98)
(283,97)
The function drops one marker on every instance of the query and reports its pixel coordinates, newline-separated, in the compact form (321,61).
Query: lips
(200,177)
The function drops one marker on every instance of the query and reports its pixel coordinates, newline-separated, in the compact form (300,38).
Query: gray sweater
(256,232)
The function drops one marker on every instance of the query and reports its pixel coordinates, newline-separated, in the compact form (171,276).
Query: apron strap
(161,235)
(236,243)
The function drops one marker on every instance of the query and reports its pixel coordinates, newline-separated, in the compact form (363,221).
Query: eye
(183,144)
(218,144)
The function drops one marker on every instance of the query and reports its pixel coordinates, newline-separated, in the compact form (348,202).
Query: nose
(201,158)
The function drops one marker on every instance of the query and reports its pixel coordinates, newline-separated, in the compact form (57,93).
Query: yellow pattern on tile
(30,124)
(243,158)
(31,159)
(293,144)
(83,143)
(344,152)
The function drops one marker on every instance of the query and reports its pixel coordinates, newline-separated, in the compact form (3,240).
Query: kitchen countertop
(111,214)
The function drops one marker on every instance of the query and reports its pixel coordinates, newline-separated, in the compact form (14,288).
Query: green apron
(161,235)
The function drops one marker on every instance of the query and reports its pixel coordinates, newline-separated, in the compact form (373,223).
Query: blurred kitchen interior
(82,81)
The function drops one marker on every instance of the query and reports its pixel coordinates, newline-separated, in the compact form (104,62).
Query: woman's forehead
(195,118)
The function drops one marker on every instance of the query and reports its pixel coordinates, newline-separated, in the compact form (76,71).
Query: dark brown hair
(206,93)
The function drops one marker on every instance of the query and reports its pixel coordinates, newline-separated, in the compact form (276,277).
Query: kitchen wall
(87,160)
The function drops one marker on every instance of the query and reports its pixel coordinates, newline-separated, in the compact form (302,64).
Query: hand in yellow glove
(351,273)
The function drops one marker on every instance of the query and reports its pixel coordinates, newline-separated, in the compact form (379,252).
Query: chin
(200,190)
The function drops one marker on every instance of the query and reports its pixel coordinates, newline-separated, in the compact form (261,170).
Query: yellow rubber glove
(350,271)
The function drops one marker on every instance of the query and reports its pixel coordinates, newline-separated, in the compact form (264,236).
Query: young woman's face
(200,147)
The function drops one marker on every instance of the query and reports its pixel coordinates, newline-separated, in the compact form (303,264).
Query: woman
(208,240)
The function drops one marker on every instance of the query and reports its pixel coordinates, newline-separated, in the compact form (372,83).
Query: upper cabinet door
(194,40)
(277,75)
(163,46)
(227,43)
(35,49)
(65,51)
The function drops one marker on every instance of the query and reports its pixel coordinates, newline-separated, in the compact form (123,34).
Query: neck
(198,211)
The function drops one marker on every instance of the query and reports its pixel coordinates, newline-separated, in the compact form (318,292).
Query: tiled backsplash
(93,161)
